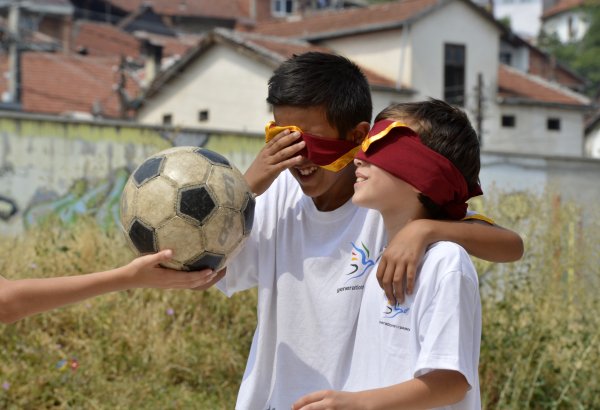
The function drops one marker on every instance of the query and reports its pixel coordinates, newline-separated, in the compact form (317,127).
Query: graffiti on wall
(99,200)
(37,184)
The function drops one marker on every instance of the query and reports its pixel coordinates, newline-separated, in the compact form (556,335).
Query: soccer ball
(191,200)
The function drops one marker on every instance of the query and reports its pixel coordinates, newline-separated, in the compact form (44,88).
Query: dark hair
(330,81)
(446,130)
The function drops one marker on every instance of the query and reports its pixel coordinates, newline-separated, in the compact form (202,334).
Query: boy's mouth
(360,178)
(307,171)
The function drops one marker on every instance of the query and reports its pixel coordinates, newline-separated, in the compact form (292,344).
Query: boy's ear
(359,132)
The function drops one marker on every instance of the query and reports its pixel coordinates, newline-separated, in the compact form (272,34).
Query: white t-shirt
(437,327)
(310,268)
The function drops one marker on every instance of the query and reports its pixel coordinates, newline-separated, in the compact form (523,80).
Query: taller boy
(311,249)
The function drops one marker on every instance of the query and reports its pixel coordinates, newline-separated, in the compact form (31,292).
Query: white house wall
(455,23)
(231,86)
(559,25)
(592,144)
(530,134)
(384,52)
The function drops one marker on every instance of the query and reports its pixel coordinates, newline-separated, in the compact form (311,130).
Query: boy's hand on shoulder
(277,155)
(146,272)
(330,400)
(397,268)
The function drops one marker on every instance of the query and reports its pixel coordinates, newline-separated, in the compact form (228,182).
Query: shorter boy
(420,160)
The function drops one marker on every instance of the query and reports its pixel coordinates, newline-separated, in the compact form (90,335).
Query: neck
(395,220)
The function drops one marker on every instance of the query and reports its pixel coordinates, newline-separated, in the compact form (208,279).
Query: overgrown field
(148,349)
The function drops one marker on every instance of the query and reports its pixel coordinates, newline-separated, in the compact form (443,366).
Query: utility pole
(479,114)
(14,57)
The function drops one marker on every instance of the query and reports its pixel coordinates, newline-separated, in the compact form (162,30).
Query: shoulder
(448,257)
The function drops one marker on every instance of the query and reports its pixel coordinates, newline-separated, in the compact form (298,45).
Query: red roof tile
(347,19)
(515,84)
(210,8)
(103,39)
(57,83)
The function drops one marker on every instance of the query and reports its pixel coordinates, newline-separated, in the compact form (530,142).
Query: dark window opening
(553,124)
(454,74)
(508,121)
(203,115)
(167,119)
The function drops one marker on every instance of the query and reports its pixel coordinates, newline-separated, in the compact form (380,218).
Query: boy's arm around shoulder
(398,266)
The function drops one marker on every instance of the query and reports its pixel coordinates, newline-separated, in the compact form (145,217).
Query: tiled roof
(334,21)
(54,83)
(103,39)
(518,86)
(561,7)
(229,9)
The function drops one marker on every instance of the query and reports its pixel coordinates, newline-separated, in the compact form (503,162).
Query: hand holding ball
(190,200)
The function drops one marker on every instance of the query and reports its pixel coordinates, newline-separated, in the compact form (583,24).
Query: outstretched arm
(400,260)
(434,389)
(22,298)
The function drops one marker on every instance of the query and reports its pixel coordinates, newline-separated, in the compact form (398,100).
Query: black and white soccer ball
(191,200)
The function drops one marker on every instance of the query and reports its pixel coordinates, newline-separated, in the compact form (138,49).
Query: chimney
(152,54)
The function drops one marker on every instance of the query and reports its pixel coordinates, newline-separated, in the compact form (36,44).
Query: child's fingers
(287,152)
(282,140)
(385,277)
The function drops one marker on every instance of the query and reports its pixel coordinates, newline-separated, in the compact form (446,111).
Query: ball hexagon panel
(196,202)
(142,237)
(183,237)
(229,186)
(206,260)
(186,168)
(148,170)
(156,201)
(248,213)
(213,157)
(223,231)
(128,200)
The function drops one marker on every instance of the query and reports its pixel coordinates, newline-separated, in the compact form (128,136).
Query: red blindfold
(397,149)
(330,154)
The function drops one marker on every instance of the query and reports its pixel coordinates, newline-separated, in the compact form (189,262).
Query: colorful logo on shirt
(361,262)
(393,311)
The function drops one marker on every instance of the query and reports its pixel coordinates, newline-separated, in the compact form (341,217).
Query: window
(167,119)
(553,124)
(454,74)
(282,7)
(203,115)
(508,121)
(506,57)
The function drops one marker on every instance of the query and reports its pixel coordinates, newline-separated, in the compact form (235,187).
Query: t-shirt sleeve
(448,330)
(243,267)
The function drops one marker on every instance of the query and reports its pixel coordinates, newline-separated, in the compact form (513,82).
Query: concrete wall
(71,168)
(68,168)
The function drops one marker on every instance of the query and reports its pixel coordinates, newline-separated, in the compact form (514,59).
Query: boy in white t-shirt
(311,248)
(420,160)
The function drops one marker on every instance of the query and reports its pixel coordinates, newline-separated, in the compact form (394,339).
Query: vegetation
(582,56)
(149,349)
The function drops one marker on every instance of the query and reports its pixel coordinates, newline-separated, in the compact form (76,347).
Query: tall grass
(541,316)
(148,349)
(141,349)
